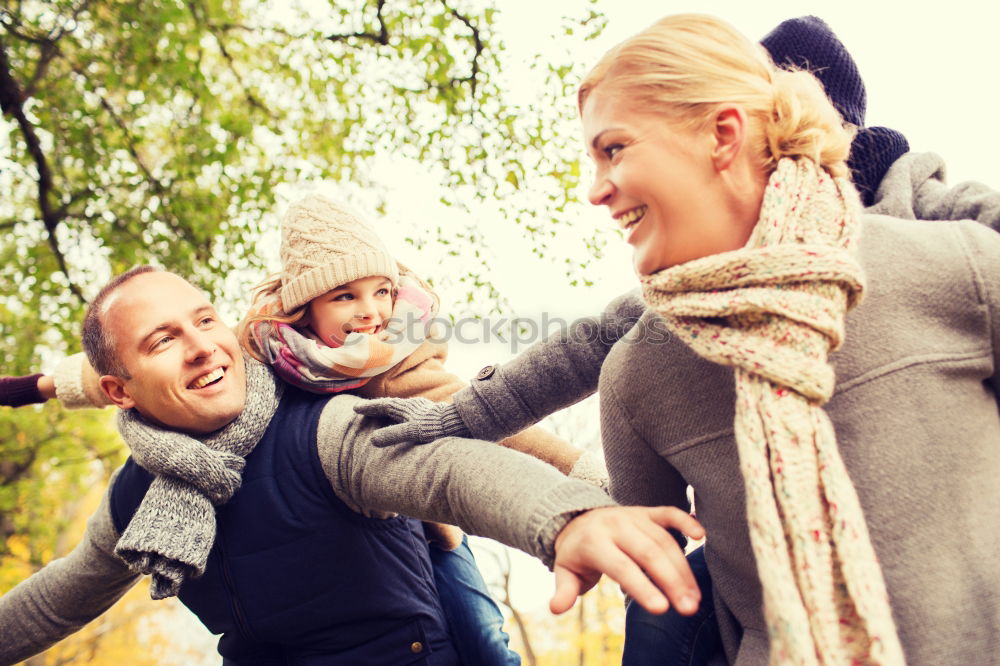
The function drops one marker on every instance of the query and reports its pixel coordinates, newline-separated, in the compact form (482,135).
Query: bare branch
(158,187)
(12,27)
(251,99)
(381,37)
(11,102)
(50,49)
(477,44)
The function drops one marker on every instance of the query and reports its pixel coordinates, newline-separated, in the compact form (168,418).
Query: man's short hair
(98,343)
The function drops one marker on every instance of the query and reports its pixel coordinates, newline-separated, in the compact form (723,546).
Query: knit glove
(20,391)
(420,421)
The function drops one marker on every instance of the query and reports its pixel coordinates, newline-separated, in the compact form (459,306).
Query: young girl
(343,315)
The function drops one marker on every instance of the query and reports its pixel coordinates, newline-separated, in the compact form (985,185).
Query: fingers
(568,587)
(383,408)
(663,560)
(635,583)
(631,546)
(396,434)
(671,516)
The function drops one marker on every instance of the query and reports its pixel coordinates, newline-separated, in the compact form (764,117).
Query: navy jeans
(474,620)
(673,639)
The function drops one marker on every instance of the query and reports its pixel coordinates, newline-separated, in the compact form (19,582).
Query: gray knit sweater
(915,411)
(485,489)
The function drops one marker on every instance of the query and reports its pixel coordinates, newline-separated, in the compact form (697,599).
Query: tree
(161,130)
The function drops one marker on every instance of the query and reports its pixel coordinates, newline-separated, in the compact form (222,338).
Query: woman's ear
(729,131)
(117,392)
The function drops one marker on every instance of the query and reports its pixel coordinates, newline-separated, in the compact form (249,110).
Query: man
(306,563)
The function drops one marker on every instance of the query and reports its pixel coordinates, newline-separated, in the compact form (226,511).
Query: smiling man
(267,512)
(182,369)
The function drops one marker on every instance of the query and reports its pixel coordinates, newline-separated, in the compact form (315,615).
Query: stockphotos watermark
(521,332)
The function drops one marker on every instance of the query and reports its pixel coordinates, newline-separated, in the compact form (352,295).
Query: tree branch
(11,103)
(477,44)
(133,150)
(381,37)
(50,49)
(251,99)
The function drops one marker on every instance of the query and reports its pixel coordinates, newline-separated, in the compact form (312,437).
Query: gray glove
(420,421)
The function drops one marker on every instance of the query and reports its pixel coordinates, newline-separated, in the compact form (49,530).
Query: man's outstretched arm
(66,594)
(515,499)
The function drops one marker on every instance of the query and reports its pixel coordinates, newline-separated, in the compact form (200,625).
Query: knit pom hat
(808,43)
(323,246)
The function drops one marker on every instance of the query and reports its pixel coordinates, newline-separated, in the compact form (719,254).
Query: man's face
(186,368)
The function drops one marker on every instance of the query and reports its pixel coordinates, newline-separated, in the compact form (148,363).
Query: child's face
(360,306)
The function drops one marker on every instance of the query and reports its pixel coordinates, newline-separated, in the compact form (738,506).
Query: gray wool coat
(915,411)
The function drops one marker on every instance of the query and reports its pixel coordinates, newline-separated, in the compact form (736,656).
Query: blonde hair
(685,65)
(266,306)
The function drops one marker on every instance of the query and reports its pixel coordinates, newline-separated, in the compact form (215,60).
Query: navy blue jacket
(297,577)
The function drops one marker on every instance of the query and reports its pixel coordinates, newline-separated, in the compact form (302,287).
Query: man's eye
(162,341)
(207,321)
(382,292)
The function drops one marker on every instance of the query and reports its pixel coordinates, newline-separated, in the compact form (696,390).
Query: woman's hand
(26,390)
(631,545)
(420,421)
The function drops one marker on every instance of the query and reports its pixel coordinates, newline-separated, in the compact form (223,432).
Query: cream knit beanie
(324,245)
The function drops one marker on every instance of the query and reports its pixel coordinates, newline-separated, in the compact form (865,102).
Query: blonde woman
(823,379)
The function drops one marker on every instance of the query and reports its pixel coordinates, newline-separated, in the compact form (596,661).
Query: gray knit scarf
(173,530)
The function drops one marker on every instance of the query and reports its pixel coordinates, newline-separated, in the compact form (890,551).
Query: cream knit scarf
(774,310)
(173,530)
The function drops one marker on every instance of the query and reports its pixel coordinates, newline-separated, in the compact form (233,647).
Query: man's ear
(729,131)
(117,392)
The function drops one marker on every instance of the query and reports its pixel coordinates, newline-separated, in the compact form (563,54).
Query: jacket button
(486,372)
(416,647)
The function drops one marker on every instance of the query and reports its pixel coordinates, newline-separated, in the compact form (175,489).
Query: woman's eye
(612,149)
(382,292)
(208,321)
(343,297)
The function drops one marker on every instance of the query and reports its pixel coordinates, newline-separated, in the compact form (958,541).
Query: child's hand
(26,390)
(420,421)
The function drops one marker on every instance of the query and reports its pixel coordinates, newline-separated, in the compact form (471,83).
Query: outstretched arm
(74,383)
(26,390)
(508,496)
(503,400)
(66,594)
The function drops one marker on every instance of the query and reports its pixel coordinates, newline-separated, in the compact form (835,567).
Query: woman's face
(659,182)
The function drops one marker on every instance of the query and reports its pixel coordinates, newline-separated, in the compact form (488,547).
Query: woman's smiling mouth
(630,218)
